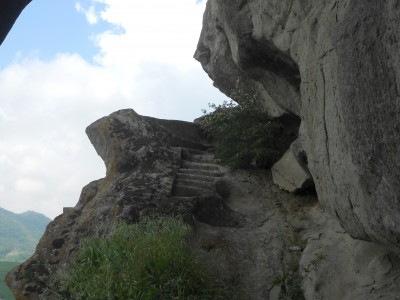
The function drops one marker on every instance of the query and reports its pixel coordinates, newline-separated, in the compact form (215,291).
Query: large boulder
(9,12)
(290,175)
(335,64)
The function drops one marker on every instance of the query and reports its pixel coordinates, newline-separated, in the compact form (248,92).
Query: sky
(67,63)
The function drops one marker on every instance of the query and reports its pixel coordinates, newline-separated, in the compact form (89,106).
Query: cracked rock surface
(349,268)
(335,64)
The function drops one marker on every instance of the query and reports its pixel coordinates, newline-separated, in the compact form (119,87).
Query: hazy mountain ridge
(19,233)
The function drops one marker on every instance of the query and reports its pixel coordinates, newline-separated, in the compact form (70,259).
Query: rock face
(244,226)
(9,12)
(335,266)
(161,167)
(142,157)
(335,64)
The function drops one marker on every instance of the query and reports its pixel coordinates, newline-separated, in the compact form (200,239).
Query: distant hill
(19,234)
(5,267)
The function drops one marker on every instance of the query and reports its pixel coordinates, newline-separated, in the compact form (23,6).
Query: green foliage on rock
(290,286)
(148,260)
(244,133)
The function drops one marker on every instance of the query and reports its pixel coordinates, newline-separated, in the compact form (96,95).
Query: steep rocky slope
(334,64)
(142,158)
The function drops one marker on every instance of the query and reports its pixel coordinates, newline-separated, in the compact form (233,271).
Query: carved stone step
(184,190)
(196,183)
(204,158)
(184,198)
(188,176)
(187,151)
(210,173)
(202,166)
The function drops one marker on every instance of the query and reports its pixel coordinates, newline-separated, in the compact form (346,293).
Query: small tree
(243,134)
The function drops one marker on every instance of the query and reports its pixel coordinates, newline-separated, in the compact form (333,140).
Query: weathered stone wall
(336,65)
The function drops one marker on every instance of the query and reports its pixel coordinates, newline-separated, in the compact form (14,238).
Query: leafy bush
(243,133)
(148,260)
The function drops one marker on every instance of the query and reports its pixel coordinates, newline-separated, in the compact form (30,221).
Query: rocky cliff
(269,243)
(335,65)
(142,157)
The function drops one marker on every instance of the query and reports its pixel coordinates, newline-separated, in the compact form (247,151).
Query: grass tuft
(147,260)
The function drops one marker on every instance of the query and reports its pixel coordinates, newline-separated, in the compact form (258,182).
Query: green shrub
(148,260)
(243,134)
(291,286)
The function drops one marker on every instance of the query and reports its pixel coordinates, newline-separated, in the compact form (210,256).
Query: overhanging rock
(346,53)
(9,12)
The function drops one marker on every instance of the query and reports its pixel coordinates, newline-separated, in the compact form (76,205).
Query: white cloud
(145,64)
(29,165)
(29,185)
(154,30)
(4,161)
(89,13)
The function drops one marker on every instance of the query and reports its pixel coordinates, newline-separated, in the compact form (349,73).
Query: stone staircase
(197,175)
(196,189)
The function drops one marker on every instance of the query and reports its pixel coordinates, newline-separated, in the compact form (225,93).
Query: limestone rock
(9,12)
(335,64)
(289,175)
(335,266)
(142,157)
